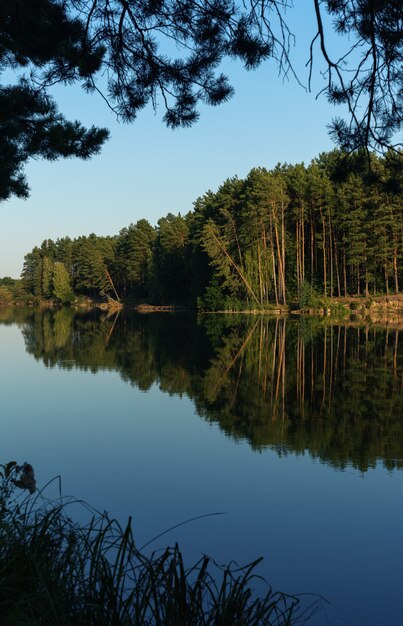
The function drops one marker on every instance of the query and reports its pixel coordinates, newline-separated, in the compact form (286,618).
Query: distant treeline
(12,290)
(333,228)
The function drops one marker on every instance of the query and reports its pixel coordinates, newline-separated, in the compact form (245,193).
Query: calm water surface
(292,428)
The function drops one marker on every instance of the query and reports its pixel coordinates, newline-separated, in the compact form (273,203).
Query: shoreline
(372,308)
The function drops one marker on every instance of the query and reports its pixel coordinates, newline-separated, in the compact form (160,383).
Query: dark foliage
(56,571)
(169,52)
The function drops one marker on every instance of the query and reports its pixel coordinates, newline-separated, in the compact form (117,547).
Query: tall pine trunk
(336,259)
(344,274)
(395,271)
(324,253)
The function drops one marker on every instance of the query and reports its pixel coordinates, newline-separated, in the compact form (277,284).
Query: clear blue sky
(147,170)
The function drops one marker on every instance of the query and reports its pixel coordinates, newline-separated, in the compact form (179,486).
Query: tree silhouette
(169,52)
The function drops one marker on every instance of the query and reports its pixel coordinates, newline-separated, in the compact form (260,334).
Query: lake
(292,428)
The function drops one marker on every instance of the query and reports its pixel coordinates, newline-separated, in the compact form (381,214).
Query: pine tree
(134,250)
(61,284)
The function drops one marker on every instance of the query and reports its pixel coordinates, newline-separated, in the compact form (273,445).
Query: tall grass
(55,571)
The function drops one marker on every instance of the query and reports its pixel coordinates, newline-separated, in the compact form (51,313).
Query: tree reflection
(306,385)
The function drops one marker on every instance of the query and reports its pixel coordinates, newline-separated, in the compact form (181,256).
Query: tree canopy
(331,229)
(169,51)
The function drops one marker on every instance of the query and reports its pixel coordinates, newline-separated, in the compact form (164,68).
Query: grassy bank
(369,308)
(54,571)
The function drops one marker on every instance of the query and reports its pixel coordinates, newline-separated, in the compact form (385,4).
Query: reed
(55,571)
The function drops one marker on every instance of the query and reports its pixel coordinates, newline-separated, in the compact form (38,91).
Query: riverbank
(374,309)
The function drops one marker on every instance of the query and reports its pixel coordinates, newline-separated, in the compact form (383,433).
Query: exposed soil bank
(167,308)
(374,309)
(281,310)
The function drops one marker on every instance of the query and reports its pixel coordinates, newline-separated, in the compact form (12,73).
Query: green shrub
(6,297)
(309,298)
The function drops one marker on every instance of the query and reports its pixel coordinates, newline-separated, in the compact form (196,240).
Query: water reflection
(291,385)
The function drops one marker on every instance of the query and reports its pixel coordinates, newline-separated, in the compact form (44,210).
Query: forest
(294,233)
